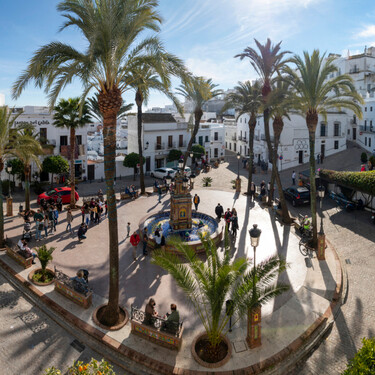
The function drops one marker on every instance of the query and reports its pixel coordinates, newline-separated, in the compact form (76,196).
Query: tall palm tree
(268,64)
(317,94)
(208,284)
(112,30)
(11,139)
(153,74)
(71,115)
(246,99)
(93,106)
(28,155)
(197,90)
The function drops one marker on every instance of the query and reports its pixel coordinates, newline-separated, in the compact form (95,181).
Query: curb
(280,363)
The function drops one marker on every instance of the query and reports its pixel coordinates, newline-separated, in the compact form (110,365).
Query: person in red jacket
(134,240)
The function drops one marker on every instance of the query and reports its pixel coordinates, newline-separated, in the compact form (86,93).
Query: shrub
(45,256)
(91,368)
(174,155)
(372,161)
(206,181)
(363,157)
(363,362)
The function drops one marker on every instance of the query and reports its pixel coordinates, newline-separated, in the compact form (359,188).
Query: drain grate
(77,346)
(347,261)
(239,346)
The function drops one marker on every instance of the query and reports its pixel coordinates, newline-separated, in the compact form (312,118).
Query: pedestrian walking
(83,213)
(219,210)
(159,192)
(56,215)
(128,230)
(69,219)
(59,203)
(234,226)
(196,201)
(134,240)
(227,216)
(38,229)
(252,191)
(86,210)
(46,225)
(318,159)
(145,241)
(51,218)
(293,178)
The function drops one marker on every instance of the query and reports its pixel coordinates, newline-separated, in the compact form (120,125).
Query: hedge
(363,362)
(361,181)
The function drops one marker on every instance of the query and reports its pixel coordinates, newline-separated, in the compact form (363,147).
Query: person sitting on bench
(26,251)
(150,312)
(173,320)
(80,283)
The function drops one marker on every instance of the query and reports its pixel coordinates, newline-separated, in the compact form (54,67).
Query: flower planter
(123,319)
(48,270)
(198,351)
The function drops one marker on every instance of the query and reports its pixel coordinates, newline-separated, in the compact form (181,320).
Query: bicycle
(305,244)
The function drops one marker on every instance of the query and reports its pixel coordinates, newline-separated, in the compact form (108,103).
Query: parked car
(297,195)
(63,192)
(342,201)
(187,171)
(163,172)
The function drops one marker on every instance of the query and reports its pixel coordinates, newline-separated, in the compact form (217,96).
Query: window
(181,140)
(79,139)
(226,144)
(336,145)
(43,135)
(245,136)
(201,140)
(323,129)
(170,141)
(370,124)
(365,141)
(240,149)
(230,146)
(336,131)
(365,109)
(369,141)
(216,136)
(234,146)
(158,144)
(63,140)
(370,109)
(216,152)
(241,119)
(348,131)
(206,139)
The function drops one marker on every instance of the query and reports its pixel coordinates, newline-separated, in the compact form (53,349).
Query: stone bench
(124,196)
(155,333)
(19,256)
(64,286)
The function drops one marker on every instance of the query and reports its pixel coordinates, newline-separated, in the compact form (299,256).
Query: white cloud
(367,32)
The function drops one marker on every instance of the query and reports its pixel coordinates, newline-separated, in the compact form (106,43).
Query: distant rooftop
(157,117)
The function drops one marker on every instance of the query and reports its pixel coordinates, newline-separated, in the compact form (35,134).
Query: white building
(366,135)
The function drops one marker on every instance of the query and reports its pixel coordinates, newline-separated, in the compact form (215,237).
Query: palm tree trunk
(72,169)
(313,186)
(27,187)
(272,182)
(284,209)
(1,206)
(197,116)
(252,124)
(110,103)
(139,101)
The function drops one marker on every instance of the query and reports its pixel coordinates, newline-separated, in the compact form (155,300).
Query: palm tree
(153,74)
(267,64)
(246,99)
(316,94)
(197,90)
(28,155)
(71,115)
(11,139)
(112,30)
(208,284)
(93,106)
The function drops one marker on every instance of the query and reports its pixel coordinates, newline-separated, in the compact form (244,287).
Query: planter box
(69,292)
(19,258)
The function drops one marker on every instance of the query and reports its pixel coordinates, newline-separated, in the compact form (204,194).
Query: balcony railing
(367,129)
(159,146)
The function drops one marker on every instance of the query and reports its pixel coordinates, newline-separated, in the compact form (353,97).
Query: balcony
(218,139)
(367,129)
(159,146)
(353,70)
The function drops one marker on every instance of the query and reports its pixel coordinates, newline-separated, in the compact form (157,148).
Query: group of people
(230,217)
(132,191)
(92,212)
(171,320)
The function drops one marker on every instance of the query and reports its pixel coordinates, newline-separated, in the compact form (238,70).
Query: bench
(155,333)
(64,286)
(20,257)
(162,187)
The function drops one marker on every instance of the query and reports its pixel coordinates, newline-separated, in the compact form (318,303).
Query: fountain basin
(191,237)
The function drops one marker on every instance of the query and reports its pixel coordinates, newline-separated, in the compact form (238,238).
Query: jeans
(82,237)
(87,218)
(196,206)
(38,235)
(46,231)
(70,227)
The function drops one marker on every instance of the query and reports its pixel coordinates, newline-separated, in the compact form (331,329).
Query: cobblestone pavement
(30,341)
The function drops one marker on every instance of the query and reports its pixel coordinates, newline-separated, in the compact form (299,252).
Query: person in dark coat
(196,201)
(227,216)
(219,210)
(234,227)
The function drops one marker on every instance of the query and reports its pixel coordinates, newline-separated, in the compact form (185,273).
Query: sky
(206,34)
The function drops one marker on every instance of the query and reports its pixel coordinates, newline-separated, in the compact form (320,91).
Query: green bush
(362,181)
(363,362)
(364,157)
(372,161)
(206,181)
(174,155)
(92,368)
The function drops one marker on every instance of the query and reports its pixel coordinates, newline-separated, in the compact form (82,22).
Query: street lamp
(185,182)
(9,170)
(253,327)
(321,192)
(191,154)
(180,164)
(238,164)
(147,144)
(321,235)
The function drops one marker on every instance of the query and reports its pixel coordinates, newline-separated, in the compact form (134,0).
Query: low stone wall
(80,299)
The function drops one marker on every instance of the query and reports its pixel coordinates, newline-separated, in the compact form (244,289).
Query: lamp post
(185,182)
(147,144)
(238,180)
(9,199)
(253,337)
(321,236)
(180,164)
(192,178)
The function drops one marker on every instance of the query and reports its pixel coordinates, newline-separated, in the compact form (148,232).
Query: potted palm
(43,276)
(208,284)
